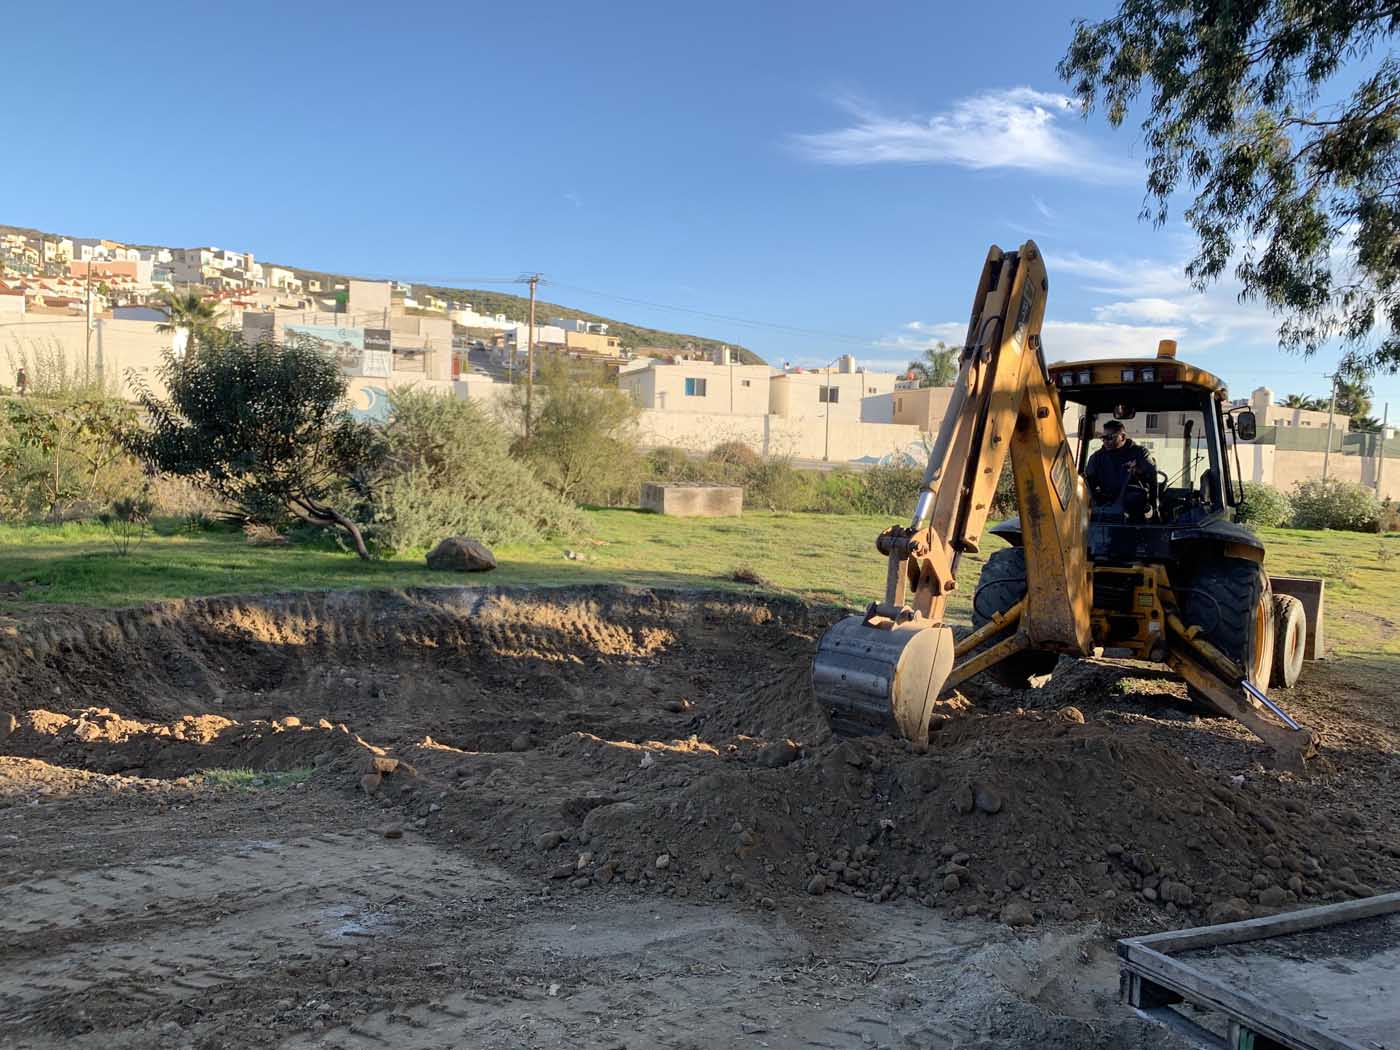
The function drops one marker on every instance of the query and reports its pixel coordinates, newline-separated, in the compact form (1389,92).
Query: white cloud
(1017,128)
(1152,311)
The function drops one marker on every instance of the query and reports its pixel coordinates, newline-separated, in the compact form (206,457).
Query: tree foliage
(1335,504)
(189,311)
(1296,177)
(449,472)
(261,425)
(1263,505)
(583,436)
(937,366)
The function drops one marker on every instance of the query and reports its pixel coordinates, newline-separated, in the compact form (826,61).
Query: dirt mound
(1022,817)
(599,737)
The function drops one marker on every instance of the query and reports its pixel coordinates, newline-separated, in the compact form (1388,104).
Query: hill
(515,307)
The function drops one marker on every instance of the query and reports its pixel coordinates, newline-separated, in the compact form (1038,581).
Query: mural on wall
(353,352)
(369,403)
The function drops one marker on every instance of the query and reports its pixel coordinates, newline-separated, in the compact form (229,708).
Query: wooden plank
(1177,976)
(1269,926)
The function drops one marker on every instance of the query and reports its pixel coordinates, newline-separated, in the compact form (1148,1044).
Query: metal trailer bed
(1325,978)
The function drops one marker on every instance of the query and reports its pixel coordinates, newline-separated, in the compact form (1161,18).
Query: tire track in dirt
(180,928)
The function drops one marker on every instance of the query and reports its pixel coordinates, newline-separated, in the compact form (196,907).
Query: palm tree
(190,312)
(1365,424)
(937,367)
(1353,397)
(1302,401)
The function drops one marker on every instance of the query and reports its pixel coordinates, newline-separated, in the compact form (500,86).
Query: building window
(1151,421)
(899,404)
(828,395)
(695,388)
(746,382)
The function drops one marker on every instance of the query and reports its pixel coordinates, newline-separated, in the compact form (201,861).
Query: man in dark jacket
(1121,467)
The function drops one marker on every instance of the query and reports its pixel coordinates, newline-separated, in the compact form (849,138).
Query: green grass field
(819,557)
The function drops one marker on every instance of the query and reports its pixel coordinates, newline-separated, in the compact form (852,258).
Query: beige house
(1268,414)
(593,343)
(923,407)
(697,386)
(846,394)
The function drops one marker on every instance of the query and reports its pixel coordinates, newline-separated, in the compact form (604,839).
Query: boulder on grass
(461,554)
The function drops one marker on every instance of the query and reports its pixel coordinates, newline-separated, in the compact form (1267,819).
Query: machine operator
(1121,468)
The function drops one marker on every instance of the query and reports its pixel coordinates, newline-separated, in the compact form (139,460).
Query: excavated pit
(623,740)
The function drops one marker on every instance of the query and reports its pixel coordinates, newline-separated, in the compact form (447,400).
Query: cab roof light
(1128,374)
(1147,375)
(1086,377)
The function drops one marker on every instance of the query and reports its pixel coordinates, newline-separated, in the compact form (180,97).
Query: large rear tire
(1231,601)
(1000,586)
(1290,639)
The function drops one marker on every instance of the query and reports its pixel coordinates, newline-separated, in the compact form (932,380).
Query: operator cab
(1186,487)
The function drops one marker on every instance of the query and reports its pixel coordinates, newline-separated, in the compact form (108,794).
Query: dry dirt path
(198,919)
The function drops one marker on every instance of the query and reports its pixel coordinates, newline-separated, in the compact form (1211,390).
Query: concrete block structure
(693,501)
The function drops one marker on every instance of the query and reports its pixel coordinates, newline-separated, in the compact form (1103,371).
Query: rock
(370,782)
(1017,912)
(387,766)
(851,755)
(964,800)
(461,554)
(548,840)
(951,884)
(816,885)
(1015,880)
(777,754)
(1273,897)
(604,875)
(1236,909)
(323,759)
(1175,892)
(987,799)
(1071,714)
(562,871)
(8,724)
(392,832)
(768,904)
(289,722)
(521,742)
(1149,893)
(663,862)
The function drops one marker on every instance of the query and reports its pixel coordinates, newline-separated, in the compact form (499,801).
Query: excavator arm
(884,670)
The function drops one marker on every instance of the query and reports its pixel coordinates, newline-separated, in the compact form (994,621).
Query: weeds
(127,521)
(245,779)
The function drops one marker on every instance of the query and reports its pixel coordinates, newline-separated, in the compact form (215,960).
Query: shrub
(1335,504)
(735,453)
(834,492)
(890,488)
(1004,503)
(63,457)
(668,463)
(583,439)
(1263,505)
(126,521)
(450,472)
(775,485)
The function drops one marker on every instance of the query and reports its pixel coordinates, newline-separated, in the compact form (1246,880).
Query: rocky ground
(613,817)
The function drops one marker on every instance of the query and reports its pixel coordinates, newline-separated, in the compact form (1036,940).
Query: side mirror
(1124,412)
(1245,426)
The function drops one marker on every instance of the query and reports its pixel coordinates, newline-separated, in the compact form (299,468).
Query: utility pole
(87,344)
(533,279)
(1331,409)
(1380,451)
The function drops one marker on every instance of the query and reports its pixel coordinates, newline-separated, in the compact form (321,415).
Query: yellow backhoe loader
(1157,570)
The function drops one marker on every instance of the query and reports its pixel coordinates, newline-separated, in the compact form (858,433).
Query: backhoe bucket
(877,678)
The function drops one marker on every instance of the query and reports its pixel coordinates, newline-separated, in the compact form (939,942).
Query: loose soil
(614,817)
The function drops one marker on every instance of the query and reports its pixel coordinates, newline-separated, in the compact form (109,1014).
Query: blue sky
(841,173)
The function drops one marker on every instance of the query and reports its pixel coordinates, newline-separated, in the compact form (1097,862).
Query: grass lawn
(821,557)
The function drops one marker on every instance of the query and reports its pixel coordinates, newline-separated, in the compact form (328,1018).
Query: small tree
(261,425)
(583,439)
